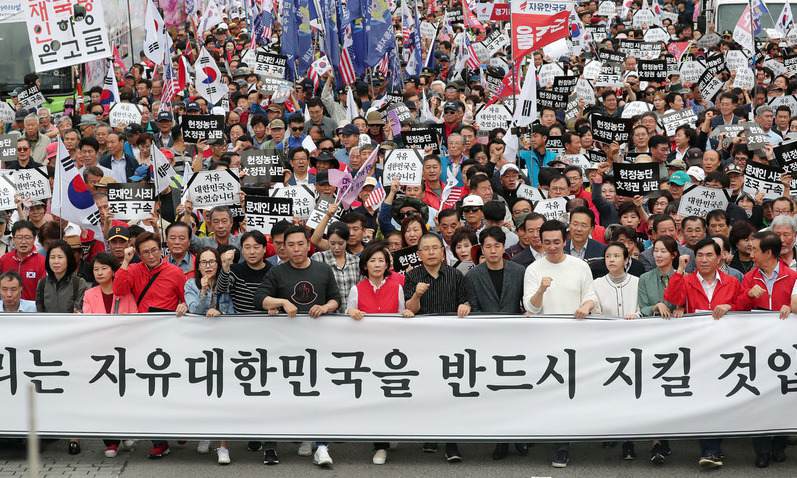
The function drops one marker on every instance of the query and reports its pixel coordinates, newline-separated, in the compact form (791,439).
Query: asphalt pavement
(354,460)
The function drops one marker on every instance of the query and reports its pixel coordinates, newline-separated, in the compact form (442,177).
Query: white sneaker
(321,457)
(224,455)
(305,448)
(128,445)
(203,447)
(380,457)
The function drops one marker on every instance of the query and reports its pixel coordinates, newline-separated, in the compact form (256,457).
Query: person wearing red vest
(708,288)
(770,285)
(381,292)
(24,259)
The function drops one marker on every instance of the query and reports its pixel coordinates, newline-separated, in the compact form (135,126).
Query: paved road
(353,460)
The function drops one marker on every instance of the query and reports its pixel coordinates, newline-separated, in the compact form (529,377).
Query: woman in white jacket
(617,290)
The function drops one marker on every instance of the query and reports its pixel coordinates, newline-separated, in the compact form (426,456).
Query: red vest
(382,301)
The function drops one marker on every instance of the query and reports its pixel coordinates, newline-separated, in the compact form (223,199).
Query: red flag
(510,85)
(530,32)
(677,49)
(470,19)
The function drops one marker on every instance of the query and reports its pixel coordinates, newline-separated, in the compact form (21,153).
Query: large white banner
(420,379)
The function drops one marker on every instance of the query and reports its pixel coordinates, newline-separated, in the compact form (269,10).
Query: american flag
(170,84)
(384,65)
(347,73)
(473,58)
(376,197)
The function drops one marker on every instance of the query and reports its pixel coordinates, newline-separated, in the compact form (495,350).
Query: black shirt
(445,293)
(497,277)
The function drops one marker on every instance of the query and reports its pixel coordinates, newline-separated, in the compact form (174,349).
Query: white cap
(508,167)
(472,200)
(370,181)
(222,26)
(697,173)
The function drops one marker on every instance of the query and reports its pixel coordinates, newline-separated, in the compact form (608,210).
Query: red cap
(52,150)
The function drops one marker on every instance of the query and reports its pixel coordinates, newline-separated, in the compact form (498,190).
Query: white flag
(742,34)
(162,169)
(208,78)
(426,112)
(109,84)
(351,106)
(210,18)
(526,109)
(785,19)
(154,46)
(72,199)
(306,114)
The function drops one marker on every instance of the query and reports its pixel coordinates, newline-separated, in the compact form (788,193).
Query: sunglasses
(471,209)
(297,129)
(328,150)
(23,149)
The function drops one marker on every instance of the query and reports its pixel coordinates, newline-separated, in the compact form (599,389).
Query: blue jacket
(593,249)
(130,164)
(534,161)
(200,305)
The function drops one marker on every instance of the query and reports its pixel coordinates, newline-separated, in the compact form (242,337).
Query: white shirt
(618,300)
(709,288)
(119,169)
(571,285)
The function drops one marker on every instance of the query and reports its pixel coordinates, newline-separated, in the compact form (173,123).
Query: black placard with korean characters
(716,64)
(322,204)
(756,137)
(8,148)
(131,201)
(30,98)
(262,212)
(270,64)
(786,155)
(406,258)
(609,130)
(202,127)
(611,56)
(709,85)
(636,179)
(551,99)
(79,39)
(564,84)
(208,189)
(652,70)
(596,156)
(764,179)
(262,167)
(555,144)
(33,183)
(700,200)
(422,138)
(790,63)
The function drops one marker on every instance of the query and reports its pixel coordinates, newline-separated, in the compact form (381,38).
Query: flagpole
(752,32)
(512,59)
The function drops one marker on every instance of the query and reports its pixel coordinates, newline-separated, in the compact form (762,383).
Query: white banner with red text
(435,378)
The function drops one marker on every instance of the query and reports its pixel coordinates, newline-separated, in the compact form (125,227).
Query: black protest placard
(756,137)
(30,98)
(716,64)
(786,155)
(610,130)
(610,55)
(8,148)
(197,128)
(564,84)
(709,85)
(762,178)
(596,156)
(652,70)
(406,258)
(262,167)
(636,179)
(422,138)
(674,119)
(270,64)
(131,201)
(262,212)
(551,99)
(790,63)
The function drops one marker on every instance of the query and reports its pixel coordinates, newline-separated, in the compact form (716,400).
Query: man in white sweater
(558,283)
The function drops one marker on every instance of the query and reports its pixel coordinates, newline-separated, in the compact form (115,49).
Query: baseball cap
(322,177)
(508,167)
(325,156)
(679,178)
(472,200)
(134,128)
(141,173)
(694,155)
(733,169)
(697,173)
(164,116)
(119,232)
(192,106)
(349,129)
(370,181)
(374,118)
(52,150)
(677,164)
(276,124)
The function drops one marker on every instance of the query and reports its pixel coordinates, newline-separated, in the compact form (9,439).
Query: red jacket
(685,290)
(165,293)
(781,291)
(31,268)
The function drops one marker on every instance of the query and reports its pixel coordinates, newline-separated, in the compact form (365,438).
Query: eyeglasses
(471,209)
(207,263)
(151,252)
(430,248)
(23,238)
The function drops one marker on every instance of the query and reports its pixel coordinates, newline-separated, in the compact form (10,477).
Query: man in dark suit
(580,244)
(529,232)
(496,286)
(122,165)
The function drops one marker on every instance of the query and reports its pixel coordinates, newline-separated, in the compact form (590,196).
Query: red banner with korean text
(530,32)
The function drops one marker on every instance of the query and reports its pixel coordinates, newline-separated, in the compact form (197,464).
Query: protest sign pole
(33,438)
